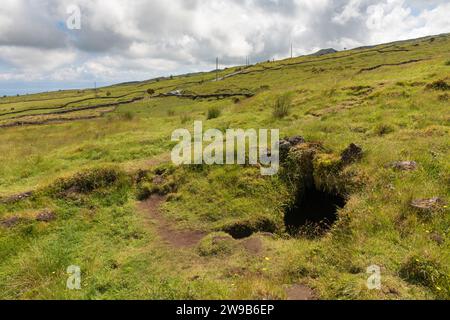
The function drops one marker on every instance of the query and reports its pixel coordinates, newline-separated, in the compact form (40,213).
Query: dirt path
(166,231)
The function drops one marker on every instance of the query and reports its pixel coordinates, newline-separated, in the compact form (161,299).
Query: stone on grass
(46,216)
(404,165)
(428,205)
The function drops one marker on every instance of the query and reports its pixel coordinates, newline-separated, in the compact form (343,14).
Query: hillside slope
(86,180)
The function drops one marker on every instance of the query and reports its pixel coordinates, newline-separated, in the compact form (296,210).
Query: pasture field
(86,180)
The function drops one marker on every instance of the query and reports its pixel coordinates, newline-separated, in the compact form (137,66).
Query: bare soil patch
(165,228)
(299,292)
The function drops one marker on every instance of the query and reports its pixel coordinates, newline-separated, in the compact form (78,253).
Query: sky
(58,44)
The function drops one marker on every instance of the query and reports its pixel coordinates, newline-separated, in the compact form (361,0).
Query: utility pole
(217,69)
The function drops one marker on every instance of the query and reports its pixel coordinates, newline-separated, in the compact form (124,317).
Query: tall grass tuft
(213,113)
(282,106)
(128,116)
(185,118)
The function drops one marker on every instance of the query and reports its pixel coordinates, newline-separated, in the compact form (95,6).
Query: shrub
(447,63)
(108,94)
(439,85)
(151,92)
(282,106)
(213,113)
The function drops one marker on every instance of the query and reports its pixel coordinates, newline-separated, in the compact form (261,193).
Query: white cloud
(137,39)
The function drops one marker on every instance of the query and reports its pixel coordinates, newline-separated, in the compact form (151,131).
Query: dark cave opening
(314,211)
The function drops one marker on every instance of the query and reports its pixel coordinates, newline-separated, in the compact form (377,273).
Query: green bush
(282,106)
(213,113)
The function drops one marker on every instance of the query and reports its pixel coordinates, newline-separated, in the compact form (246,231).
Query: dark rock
(46,216)
(404,165)
(352,154)
(296,140)
(287,144)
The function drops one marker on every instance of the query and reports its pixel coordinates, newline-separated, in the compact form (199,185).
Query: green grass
(92,174)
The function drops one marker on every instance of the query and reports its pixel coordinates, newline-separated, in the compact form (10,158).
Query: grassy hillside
(86,180)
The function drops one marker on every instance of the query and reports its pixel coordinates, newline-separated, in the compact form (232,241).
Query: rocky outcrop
(352,154)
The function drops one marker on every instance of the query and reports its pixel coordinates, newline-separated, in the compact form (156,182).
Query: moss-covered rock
(162,181)
(217,243)
(88,181)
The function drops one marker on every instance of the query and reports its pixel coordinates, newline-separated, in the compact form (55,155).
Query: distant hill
(324,52)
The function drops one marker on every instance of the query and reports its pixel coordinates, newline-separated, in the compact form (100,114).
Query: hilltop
(86,180)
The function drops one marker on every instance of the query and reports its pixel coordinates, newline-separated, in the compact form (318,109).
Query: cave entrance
(313,212)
